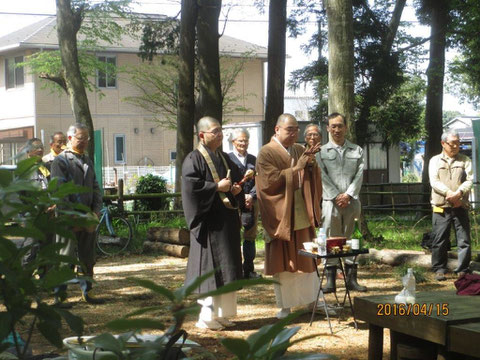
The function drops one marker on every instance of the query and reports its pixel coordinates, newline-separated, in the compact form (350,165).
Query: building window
(107,77)
(120,156)
(14,76)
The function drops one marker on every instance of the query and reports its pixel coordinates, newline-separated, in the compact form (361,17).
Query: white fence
(131,174)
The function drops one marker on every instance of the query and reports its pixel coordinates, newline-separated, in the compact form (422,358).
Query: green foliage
(418,271)
(157,83)
(180,303)
(24,287)
(411,178)
(399,117)
(399,233)
(103,24)
(151,184)
(270,342)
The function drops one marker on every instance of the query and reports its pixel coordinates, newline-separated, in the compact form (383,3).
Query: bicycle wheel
(113,242)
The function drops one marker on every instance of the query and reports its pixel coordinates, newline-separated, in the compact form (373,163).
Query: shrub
(151,184)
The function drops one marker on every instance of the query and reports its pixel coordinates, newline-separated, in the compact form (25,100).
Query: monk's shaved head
(282,119)
(206,122)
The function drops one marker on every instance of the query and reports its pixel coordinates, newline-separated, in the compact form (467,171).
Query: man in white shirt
(249,212)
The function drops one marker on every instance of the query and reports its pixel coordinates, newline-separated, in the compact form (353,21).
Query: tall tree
(69,20)
(340,59)
(438,14)
(277,37)
(210,92)
(186,86)
(385,73)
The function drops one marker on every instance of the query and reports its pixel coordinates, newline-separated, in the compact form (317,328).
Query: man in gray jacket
(74,165)
(342,165)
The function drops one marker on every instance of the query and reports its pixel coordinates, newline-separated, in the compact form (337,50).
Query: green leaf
(50,333)
(30,231)
(267,333)
(285,335)
(155,288)
(191,286)
(108,342)
(56,277)
(6,178)
(25,166)
(239,347)
(193,309)
(145,310)
(74,322)
(135,324)
(5,325)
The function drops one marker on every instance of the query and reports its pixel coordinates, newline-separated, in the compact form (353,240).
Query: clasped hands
(342,200)
(454,198)
(225,185)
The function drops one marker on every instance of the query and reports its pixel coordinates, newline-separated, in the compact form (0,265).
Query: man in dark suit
(249,212)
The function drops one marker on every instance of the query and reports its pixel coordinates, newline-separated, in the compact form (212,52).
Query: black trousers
(441,223)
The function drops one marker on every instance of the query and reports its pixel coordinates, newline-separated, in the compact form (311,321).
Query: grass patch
(419,272)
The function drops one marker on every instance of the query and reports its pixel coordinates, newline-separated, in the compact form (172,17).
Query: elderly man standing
(249,212)
(58,141)
(342,173)
(289,200)
(312,135)
(210,203)
(74,165)
(451,179)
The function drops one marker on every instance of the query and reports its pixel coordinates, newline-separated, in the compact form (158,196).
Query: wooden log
(170,249)
(169,235)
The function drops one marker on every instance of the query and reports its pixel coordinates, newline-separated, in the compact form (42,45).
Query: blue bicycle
(114,232)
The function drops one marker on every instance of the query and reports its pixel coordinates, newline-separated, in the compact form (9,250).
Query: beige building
(130,138)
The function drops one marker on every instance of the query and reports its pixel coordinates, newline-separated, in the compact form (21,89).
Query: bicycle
(113,233)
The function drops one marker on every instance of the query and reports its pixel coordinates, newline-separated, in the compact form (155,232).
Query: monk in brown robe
(289,195)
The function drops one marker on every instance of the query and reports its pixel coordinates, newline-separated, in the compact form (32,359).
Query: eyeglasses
(214,131)
(314,135)
(455,144)
(82,138)
(290,129)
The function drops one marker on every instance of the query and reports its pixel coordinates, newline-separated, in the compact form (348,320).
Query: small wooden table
(340,256)
(433,317)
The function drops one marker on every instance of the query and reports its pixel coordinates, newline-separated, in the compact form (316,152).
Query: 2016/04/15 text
(412,309)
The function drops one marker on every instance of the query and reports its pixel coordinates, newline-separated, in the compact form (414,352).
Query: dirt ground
(256,306)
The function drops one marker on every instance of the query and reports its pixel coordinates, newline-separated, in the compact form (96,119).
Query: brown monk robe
(289,195)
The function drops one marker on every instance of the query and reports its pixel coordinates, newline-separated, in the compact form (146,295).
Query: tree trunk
(186,85)
(210,92)
(340,60)
(167,235)
(68,23)
(435,74)
(277,33)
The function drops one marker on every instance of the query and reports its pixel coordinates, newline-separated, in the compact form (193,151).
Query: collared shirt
(340,148)
(240,157)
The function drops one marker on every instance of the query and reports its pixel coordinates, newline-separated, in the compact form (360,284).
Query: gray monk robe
(214,228)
